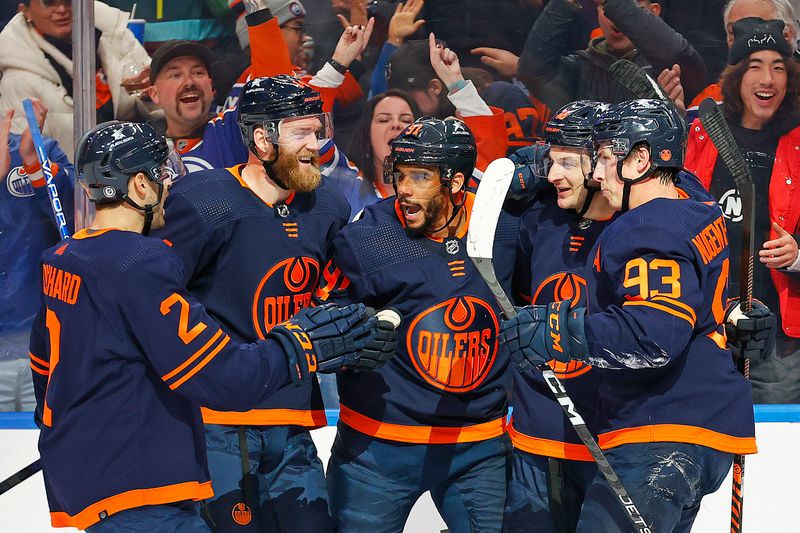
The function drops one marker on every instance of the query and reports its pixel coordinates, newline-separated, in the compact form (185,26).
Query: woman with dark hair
(383,118)
(761,92)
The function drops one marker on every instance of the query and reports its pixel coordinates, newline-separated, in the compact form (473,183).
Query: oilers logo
(731,204)
(18,183)
(555,288)
(453,345)
(286,288)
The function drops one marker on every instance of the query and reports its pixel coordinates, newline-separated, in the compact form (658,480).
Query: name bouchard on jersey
(285,289)
(60,284)
(453,344)
(711,240)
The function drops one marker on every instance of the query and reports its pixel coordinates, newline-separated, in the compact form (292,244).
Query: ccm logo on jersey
(286,288)
(453,345)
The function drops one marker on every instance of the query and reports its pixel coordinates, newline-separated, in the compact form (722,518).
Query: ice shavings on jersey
(634,360)
(663,477)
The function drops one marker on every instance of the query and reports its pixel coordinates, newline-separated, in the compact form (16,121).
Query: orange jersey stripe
(191,490)
(661,308)
(421,434)
(194,356)
(266,417)
(201,364)
(40,362)
(678,433)
(677,303)
(39,370)
(547,447)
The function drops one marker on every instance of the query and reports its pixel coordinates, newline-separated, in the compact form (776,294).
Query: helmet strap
(148,209)
(628,183)
(587,201)
(456,210)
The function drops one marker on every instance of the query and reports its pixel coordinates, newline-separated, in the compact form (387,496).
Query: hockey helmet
(655,122)
(110,153)
(444,144)
(572,124)
(269,102)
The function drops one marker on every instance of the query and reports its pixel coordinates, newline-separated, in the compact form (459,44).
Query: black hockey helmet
(572,124)
(444,144)
(265,102)
(654,122)
(110,153)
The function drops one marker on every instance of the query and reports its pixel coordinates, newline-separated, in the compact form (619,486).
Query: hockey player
(672,410)
(550,464)
(433,418)
(121,353)
(254,240)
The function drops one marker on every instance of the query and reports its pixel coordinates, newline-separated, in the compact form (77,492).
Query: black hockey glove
(541,333)
(532,164)
(376,352)
(750,336)
(317,335)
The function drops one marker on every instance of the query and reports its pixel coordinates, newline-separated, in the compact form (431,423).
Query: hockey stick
(480,241)
(714,123)
(44,160)
(636,80)
(15,479)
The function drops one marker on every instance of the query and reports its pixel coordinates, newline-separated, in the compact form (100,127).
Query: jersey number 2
(187,335)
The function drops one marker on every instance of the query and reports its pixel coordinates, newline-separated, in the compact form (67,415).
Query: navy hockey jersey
(450,379)
(121,353)
(552,253)
(657,292)
(254,265)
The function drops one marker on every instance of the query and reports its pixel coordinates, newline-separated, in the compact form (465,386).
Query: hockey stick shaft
(714,123)
(486,270)
(47,170)
(15,479)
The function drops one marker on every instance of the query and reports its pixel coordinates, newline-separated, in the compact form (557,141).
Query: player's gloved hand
(376,352)
(750,336)
(316,335)
(530,177)
(540,333)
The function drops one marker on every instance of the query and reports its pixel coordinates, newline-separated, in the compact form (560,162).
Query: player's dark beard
(288,170)
(431,212)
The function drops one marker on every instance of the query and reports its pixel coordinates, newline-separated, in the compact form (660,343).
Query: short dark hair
(360,149)
(410,67)
(731,82)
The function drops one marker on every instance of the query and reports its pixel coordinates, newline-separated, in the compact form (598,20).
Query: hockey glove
(750,336)
(376,352)
(317,335)
(541,333)
(532,164)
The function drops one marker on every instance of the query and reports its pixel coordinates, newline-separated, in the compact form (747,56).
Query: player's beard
(431,212)
(287,169)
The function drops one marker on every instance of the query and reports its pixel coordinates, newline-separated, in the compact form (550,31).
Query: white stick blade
(487,205)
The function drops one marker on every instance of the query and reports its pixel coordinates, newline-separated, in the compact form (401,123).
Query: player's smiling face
(421,197)
(183,89)
(567,172)
(298,158)
(763,88)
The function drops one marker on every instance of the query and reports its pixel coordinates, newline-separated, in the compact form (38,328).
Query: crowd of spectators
(373,61)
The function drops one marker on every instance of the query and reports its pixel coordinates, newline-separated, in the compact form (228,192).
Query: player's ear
(457,184)
(642,158)
(137,186)
(263,143)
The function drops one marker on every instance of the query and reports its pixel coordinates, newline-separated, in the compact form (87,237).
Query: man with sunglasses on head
(121,353)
